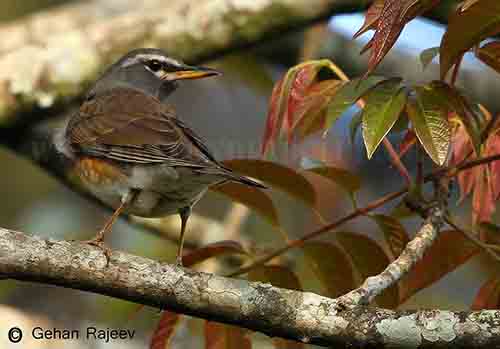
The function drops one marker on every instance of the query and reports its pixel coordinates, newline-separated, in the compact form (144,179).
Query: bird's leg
(184,213)
(98,240)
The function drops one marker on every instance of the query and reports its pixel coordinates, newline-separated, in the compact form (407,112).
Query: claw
(99,243)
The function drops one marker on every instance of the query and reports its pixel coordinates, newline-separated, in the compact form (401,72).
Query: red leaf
(371,18)
(493,148)
(287,95)
(483,203)
(311,110)
(273,116)
(165,330)
(450,250)
(212,250)
(483,180)
(220,336)
(299,86)
(389,26)
(391,21)
(488,296)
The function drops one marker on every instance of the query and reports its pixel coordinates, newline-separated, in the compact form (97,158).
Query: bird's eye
(154,65)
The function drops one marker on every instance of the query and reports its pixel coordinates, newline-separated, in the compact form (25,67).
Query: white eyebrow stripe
(141,57)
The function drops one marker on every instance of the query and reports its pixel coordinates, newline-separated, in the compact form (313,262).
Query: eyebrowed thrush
(131,151)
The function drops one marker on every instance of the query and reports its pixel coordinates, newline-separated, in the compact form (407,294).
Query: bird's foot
(99,242)
(178,261)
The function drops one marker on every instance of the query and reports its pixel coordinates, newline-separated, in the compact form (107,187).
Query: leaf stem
(326,228)
(396,160)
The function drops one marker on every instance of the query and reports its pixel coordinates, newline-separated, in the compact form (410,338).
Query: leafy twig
(300,242)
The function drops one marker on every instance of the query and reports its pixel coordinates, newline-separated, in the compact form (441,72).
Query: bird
(130,149)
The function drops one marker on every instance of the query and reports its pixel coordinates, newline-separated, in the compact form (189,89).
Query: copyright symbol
(15,335)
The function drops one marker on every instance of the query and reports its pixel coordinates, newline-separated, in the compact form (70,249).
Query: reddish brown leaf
(331,267)
(212,250)
(488,296)
(278,176)
(483,202)
(310,114)
(484,180)
(368,259)
(251,197)
(449,251)
(220,336)
(165,330)
(389,26)
(371,18)
(287,96)
(280,343)
(391,21)
(461,146)
(273,116)
(279,276)
(301,82)
(394,232)
(493,148)
(482,20)
(490,54)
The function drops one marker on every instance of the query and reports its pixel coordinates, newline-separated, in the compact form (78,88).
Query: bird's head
(151,71)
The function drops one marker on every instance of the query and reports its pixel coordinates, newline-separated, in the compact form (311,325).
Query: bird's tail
(244,180)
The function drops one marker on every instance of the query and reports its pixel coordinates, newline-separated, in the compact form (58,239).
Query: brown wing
(129,126)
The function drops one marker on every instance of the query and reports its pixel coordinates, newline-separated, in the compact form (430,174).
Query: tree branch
(413,253)
(261,307)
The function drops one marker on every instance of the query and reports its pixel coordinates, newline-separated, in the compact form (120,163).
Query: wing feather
(129,126)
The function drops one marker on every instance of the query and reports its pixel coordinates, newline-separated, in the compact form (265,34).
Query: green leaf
(429,117)
(369,259)
(278,276)
(346,179)
(251,197)
(394,232)
(459,104)
(347,95)
(427,55)
(354,125)
(466,29)
(331,266)
(384,104)
(276,175)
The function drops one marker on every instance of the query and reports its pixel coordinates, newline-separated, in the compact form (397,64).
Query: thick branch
(260,307)
(49,57)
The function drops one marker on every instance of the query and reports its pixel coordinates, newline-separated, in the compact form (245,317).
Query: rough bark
(301,316)
(47,58)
